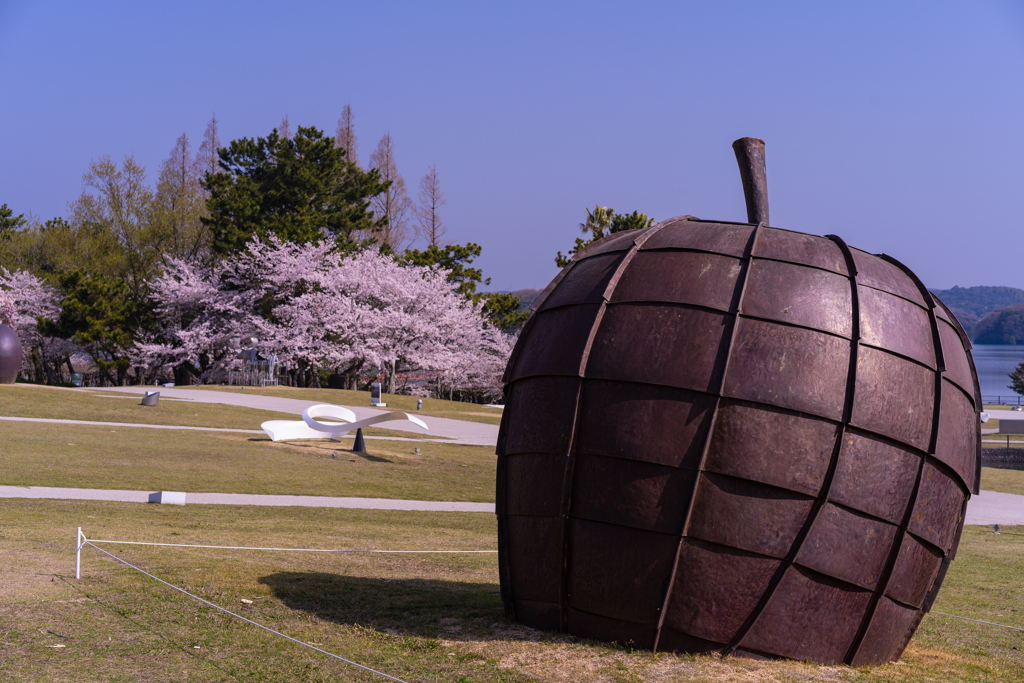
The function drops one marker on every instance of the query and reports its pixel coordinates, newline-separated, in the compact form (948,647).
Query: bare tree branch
(429,226)
(393,204)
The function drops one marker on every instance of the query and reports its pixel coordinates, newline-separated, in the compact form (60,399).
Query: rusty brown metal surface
(10,355)
(731,438)
(750,157)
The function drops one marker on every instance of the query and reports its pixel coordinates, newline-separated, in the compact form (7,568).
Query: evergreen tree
(1017,379)
(601,222)
(300,189)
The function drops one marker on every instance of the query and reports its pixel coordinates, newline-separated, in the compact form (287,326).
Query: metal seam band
(749,256)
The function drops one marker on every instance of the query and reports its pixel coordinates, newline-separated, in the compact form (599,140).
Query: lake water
(994,363)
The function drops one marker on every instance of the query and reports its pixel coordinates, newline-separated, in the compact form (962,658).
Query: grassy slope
(421,618)
(470,412)
(85,456)
(28,400)
(149,459)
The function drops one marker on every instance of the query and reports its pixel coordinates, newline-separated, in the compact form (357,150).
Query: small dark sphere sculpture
(10,355)
(725,437)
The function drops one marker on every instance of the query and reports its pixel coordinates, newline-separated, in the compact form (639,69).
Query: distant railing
(1009,400)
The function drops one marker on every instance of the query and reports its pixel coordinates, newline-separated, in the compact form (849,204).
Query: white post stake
(78,553)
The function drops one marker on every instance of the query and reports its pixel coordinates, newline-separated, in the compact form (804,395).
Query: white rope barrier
(83,541)
(296,550)
(978,621)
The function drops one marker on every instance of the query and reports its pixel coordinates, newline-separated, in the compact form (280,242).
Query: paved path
(988,508)
(470,433)
(995,508)
(246,499)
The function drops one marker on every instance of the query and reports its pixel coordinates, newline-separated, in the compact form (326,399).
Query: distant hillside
(971,304)
(526,297)
(1002,326)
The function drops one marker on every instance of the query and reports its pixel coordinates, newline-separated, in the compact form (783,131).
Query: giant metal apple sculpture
(728,437)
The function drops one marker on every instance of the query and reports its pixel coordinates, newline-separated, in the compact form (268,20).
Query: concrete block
(169,497)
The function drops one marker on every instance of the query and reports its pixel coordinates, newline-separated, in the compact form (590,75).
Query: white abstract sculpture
(310,428)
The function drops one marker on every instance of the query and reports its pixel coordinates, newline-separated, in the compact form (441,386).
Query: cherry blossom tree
(24,299)
(312,306)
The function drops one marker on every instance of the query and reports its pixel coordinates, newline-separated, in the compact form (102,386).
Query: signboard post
(375,396)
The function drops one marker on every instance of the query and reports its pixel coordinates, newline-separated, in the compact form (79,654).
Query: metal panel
(618,241)
(644,422)
(542,615)
(847,546)
(631,493)
(895,398)
(799,295)
(618,572)
(714,237)
(541,414)
(958,367)
(587,625)
(771,446)
(930,519)
(671,640)
(883,642)
(716,590)
(895,324)
(556,342)
(684,277)
(798,247)
(668,345)
(585,283)
(789,367)
(747,515)
(874,272)
(871,465)
(914,572)
(829,610)
(541,537)
(956,438)
(533,484)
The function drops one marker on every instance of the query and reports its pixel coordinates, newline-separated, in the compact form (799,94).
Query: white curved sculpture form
(310,428)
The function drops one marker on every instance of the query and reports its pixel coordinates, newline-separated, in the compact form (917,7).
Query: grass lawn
(80,456)
(30,400)
(416,617)
(471,412)
(97,405)
(1004,481)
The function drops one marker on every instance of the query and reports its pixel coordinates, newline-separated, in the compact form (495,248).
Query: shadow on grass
(413,607)
(328,447)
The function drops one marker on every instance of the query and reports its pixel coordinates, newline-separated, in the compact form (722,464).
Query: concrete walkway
(988,508)
(992,507)
(469,433)
(246,499)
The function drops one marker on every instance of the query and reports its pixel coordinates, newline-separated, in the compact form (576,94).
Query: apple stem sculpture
(734,438)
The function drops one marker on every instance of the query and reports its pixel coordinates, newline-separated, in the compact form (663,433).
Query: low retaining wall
(1003,458)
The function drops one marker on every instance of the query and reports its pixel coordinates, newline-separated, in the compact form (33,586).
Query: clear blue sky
(894,125)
